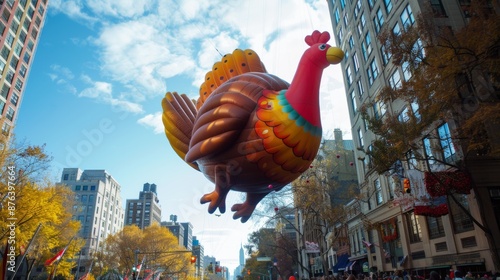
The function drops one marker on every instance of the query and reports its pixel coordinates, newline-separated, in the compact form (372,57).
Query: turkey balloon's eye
(322,47)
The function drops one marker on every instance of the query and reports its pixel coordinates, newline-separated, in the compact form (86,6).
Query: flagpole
(27,250)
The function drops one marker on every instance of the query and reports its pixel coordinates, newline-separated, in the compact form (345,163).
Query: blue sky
(102,67)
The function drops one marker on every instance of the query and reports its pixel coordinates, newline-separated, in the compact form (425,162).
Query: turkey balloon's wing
(219,124)
(178,118)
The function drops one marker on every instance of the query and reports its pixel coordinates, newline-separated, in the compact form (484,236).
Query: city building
(176,229)
(98,207)
(188,235)
(239,269)
(199,253)
(313,231)
(145,210)
(21,25)
(388,231)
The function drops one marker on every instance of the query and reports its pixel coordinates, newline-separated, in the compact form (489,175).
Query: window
(10,76)
(372,71)
(378,20)
(342,3)
(340,35)
(437,8)
(368,42)
(406,70)
(351,42)
(414,232)
(26,23)
(348,75)
(5,128)
(379,109)
(357,9)
(403,116)
(18,49)
(407,17)
(415,108)
(5,53)
(371,3)
(428,150)
(396,30)
(395,80)
(360,88)
(27,57)
(78,187)
(13,62)
(446,143)
(19,84)
(346,19)
(360,138)
(353,101)
(435,225)
(92,188)
(85,188)
(388,6)
(5,91)
(2,106)
(65,177)
(10,39)
(378,191)
(362,20)
(386,56)
(461,221)
(355,62)
(10,114)
(337,16)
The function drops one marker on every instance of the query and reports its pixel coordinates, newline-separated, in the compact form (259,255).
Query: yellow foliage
(155,244)
(29,205)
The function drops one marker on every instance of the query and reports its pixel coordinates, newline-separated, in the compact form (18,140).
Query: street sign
(263,259)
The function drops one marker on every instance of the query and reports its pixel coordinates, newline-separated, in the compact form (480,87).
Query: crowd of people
(401,275)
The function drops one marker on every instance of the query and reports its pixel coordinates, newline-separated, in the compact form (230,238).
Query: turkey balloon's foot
(243,211)
(216,201)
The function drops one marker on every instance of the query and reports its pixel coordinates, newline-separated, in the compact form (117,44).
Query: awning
(341,263)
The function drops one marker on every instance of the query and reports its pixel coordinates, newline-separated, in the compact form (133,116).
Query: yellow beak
(334,55)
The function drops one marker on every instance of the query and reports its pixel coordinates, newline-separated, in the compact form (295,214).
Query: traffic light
(193,259)
(406,185)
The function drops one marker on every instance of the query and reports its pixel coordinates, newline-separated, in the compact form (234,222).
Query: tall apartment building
(21,23)
(199,253)
(145,210)
(188,235)
(98,207)
(384,236)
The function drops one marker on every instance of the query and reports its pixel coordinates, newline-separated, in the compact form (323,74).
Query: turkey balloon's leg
(244,210)
(217,198)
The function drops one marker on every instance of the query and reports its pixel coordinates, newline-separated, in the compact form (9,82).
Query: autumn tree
(156,245)
(321,193)
(451,77)
(29,201)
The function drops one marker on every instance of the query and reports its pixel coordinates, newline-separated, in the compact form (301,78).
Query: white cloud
(103,92)
(153,121)
(144,44)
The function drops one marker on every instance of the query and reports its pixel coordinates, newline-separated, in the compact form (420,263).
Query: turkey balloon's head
(321,53)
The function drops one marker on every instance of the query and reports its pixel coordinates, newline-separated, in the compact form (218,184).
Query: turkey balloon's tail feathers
(231,65)
(179,113)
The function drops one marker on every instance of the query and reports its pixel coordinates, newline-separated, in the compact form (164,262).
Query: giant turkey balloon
(250,131)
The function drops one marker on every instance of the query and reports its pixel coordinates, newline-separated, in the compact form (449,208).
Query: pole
(26,251)
(78,265)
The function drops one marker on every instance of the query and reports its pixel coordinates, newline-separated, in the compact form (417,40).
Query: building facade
(98,207)
(21,24)
(388,233)
(145,210)
(199,253)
